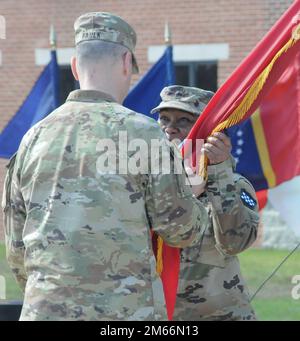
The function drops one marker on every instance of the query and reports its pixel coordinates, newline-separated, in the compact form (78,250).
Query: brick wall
(239,23)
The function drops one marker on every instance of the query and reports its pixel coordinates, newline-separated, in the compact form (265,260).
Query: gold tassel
(159,259)
(203,166)
(252,94)
(255,89)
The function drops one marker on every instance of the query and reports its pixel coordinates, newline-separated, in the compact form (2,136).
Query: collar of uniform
(92,96)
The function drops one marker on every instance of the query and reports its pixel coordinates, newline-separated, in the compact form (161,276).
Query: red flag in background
(255,84)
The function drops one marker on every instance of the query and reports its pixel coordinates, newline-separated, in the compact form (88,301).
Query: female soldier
(211,286)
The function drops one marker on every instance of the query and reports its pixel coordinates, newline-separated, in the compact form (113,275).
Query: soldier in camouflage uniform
(211,286)
(78,238)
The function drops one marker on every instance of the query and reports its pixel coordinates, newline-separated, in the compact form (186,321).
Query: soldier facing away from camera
(78,237)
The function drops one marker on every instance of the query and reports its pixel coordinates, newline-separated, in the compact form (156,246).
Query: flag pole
(168,43)
(52,38)
(168,34)
(54,64)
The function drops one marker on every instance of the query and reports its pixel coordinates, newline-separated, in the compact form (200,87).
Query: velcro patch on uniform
(248,200)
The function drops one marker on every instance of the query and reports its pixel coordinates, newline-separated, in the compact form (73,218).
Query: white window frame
(42,56)
(191,52)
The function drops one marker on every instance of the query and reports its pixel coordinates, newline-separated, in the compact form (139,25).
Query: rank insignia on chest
(248,200)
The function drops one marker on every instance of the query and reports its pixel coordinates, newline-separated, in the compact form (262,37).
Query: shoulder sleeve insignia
(248,200)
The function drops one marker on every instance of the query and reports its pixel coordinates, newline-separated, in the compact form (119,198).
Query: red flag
(169,274)
(262,197)
(233,92)
(239,97)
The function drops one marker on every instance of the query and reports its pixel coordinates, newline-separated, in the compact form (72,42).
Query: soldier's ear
(74,68)
(127,63)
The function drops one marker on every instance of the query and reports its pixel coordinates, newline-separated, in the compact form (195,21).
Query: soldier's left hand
(217,148)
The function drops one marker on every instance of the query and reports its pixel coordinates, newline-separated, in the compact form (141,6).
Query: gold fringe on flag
(252,94)
(159,260)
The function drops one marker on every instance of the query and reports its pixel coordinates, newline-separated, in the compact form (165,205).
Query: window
(199,74)
(67,82)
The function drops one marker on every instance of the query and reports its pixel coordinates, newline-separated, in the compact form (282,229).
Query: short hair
(98,50)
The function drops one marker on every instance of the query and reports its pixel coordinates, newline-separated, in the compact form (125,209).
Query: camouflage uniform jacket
(77,239)
(211,286)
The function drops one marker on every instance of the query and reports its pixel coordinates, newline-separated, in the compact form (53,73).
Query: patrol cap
(106,27)
(192,100)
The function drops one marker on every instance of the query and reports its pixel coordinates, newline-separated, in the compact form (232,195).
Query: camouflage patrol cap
(106,27)
(192,100)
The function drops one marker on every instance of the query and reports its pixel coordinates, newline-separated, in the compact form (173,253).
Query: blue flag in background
(43,99)
(246,154)
(145,95)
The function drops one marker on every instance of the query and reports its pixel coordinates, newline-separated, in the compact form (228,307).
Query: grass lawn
(12,289)
(273,303)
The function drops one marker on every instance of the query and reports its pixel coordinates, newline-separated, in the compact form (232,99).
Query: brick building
(210,39)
